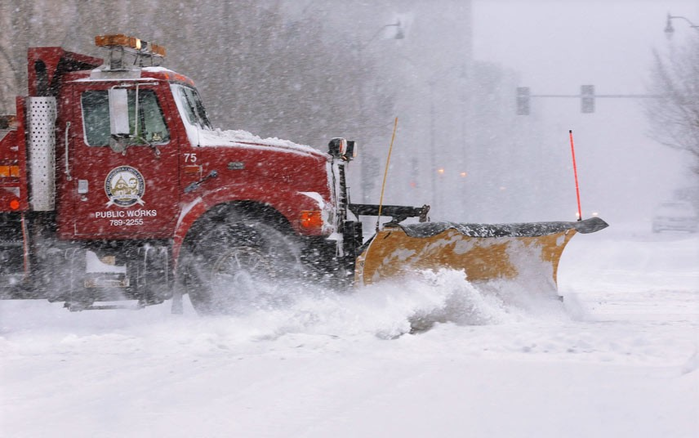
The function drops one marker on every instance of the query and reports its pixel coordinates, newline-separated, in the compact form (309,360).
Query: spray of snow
(387,310)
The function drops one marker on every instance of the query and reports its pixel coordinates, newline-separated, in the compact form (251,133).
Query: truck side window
(152,128)
(95,106)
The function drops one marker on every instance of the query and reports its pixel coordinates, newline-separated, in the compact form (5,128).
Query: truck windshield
(190,104)
(152,128)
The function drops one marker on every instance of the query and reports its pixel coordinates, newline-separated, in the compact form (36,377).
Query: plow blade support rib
(484,252)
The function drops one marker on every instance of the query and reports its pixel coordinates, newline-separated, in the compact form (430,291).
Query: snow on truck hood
(241,138)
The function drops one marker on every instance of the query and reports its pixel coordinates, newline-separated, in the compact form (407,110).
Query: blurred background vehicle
(675,215)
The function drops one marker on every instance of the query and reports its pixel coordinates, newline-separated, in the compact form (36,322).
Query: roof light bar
(128,42)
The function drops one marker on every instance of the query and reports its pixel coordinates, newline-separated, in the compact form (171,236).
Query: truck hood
(240,138)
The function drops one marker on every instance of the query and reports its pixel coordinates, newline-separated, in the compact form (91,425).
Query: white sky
(559,45)
(556,46)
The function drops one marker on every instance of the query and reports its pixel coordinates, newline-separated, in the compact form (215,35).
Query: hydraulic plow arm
(483,252)
(398,213)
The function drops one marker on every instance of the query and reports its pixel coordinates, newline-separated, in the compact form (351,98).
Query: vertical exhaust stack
(41,117)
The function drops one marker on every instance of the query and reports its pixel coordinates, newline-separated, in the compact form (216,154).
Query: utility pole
(370,168)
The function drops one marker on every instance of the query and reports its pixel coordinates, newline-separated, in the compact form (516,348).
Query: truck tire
(235,268)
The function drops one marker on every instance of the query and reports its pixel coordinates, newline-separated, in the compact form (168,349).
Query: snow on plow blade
(528,251)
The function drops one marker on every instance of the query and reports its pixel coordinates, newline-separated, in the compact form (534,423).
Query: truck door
(124,189)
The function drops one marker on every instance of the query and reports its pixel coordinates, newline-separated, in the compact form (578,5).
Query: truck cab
(115,170)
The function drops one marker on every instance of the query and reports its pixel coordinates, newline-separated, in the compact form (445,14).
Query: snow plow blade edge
(529,252)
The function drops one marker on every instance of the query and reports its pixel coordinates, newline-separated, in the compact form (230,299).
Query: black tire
(233,268)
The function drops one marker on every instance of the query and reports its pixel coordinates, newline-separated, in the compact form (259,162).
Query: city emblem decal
(124,187)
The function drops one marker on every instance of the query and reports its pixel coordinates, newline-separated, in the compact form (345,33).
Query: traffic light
(587,99)
(523,99)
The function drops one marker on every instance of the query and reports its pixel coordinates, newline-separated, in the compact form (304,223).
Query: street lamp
(398,36)
(438,173)
(670,30)
(369,165)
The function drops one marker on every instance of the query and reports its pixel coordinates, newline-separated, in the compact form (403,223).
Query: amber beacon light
(128,42)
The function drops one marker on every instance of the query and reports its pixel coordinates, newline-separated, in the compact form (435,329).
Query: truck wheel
(236,268)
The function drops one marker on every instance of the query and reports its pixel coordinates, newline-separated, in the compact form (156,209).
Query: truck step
(11,260)
(79,307)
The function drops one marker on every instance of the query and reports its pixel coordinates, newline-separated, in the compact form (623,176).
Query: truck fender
(195,209)
(188,215)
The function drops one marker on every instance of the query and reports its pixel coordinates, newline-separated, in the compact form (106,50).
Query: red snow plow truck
(115,186)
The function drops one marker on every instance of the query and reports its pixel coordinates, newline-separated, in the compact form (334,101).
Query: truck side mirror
(351,152)
(118,118)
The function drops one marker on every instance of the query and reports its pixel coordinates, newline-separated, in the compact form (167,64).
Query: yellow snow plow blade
(483,252)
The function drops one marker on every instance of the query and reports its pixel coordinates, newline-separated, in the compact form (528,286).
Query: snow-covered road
(618,358)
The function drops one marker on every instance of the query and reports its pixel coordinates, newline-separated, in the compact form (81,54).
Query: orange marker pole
(575,172)
(385,174)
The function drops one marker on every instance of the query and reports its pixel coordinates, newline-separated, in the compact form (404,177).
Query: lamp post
(437,173)
(369,165)
(669,28)
(398,36)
